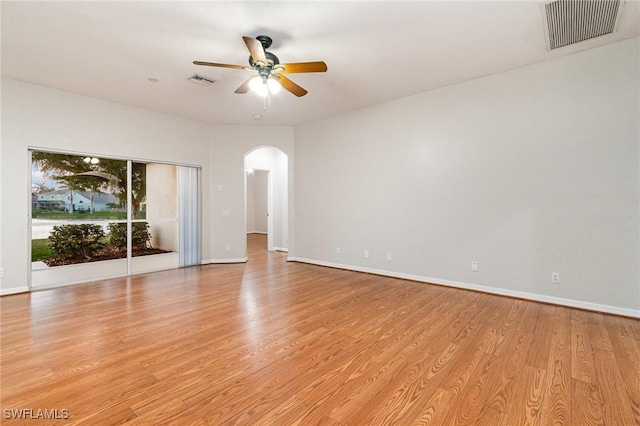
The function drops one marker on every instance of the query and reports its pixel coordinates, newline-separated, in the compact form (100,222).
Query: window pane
(160,206)
(138,190)
(80,216)
(155,239)
(74,202)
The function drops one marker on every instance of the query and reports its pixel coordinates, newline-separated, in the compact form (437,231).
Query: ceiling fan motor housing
(265,40)
(271,58)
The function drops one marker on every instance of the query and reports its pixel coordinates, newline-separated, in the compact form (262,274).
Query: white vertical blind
(129,216)
(189,215)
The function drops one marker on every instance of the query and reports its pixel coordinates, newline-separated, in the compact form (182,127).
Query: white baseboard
(78,282)
(481,288)
(284,249)
(257,232)
(232,260)
(14,290)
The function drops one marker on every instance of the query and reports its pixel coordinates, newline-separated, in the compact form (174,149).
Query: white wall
(260,198)
(251,208)
(274,161)
(1,205)
(229,145)
(39,117)
(34,116)
(257,202)
(528,172)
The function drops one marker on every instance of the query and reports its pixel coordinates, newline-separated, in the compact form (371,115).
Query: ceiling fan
(270,71)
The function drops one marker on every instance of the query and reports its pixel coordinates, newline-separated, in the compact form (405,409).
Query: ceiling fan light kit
(264,86)
(270,78)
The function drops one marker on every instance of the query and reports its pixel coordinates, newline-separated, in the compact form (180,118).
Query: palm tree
(40,188)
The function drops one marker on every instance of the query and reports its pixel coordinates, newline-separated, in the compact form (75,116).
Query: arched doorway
(266,196)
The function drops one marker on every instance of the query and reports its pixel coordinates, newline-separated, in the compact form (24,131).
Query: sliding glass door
(95,218)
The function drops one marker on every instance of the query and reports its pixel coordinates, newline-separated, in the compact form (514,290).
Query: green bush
(76,241)
(141,237)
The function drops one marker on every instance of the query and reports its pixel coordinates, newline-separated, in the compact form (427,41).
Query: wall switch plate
(227,247)
(219,188)
(225,213)
(389,257)
(366,254)
(555,277)
(338,251)
(1,272)
(474,266)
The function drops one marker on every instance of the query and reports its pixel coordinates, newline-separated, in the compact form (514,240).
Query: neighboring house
(61,199)
(53,200)
(101,202)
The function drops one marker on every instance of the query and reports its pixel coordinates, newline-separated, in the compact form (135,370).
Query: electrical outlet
(555,277)
(338,251)
(1,272)
(474,266)
(389,257)
(366,254)
(227,247)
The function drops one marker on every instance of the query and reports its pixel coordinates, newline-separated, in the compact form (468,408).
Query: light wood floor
(271,342)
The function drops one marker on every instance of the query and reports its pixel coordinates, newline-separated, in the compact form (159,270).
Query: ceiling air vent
(573,21)
(201,80)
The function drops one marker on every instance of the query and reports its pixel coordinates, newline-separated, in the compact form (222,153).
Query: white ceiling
(375,51)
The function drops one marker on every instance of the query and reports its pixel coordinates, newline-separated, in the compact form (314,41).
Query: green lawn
(82,215)
(40,250)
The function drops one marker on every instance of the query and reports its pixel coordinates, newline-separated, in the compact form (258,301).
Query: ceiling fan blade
(213,64)
(244,87)
(256,50)
(298,67)
(290,85)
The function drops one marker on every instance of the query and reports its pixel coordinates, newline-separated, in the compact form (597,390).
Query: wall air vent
(572,21)
(201,80)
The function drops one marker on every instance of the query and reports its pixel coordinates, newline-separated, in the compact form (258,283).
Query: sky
(37,178)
